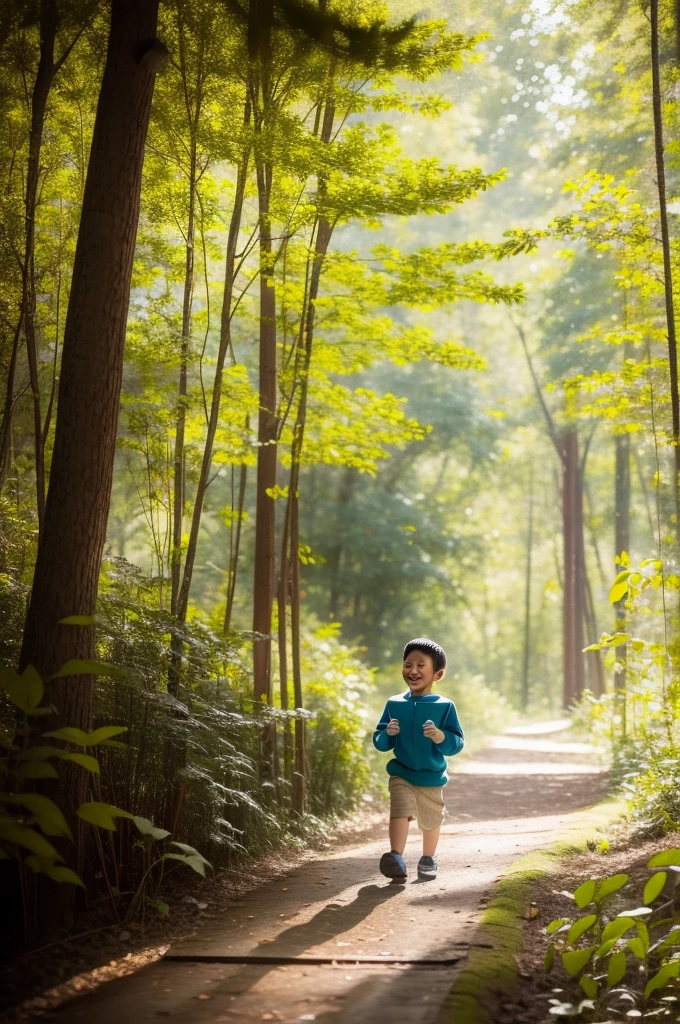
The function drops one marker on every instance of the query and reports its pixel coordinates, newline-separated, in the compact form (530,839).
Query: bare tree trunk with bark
(666,248)
(526,654)
(71,544)
(621,545)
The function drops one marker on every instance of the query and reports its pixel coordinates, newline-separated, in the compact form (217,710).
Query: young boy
(421,728)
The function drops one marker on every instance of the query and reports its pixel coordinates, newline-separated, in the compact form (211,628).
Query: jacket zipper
(413,734)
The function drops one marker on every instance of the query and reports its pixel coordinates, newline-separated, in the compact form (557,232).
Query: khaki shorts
(425,803)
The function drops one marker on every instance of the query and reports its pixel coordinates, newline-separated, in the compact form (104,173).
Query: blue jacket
(416,757)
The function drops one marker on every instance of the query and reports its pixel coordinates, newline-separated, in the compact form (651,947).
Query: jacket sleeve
(453,734)
(380,738)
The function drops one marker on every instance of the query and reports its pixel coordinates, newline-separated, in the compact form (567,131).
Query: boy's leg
(399,834)
(431,813)
(430,840)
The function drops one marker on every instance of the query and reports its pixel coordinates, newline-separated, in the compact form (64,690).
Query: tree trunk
(179,458)
(235,543)
(70,549)
(666,247)
(527,596)
(300,768)
(621,544)
(593,662)
(572,532)
(285,588)
(335,555)
(264,574)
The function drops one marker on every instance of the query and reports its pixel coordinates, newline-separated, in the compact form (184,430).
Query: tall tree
(666,250)
(71,544)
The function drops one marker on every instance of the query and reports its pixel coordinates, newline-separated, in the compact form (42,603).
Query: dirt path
(331,942)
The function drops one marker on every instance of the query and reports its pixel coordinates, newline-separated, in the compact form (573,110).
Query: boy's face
(419,674)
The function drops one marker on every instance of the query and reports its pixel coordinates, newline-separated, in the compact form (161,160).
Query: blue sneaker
(392,865)
(427,869)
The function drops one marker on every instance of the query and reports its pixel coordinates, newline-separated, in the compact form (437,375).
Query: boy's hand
(435,734)
(392,727)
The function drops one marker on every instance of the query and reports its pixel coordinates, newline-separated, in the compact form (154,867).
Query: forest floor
(324,937)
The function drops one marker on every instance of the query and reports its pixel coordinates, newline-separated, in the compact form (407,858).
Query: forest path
(382,950)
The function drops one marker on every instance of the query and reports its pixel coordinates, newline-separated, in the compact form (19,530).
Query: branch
(552,431)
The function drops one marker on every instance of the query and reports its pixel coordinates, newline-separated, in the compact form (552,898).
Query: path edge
(491,971)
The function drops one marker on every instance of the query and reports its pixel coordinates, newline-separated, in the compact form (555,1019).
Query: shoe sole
(426,878)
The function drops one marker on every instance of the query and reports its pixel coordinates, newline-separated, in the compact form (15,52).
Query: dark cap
(436,652)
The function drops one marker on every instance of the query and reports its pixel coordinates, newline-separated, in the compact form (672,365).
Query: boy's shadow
(332,920)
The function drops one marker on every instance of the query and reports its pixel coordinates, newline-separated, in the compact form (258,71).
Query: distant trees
(255,159)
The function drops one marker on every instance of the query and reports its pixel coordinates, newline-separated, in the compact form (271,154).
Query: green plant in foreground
(30,820)
(622,960)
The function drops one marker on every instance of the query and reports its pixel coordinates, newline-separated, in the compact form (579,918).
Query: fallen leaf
(204,995)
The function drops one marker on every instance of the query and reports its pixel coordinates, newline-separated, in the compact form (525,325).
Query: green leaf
(643,935)
(48,816)
(667,858)
(589,986)
(574,960)
(160,905)
(198,864)
(44,752)
(549,959)
(617,968)
(86,667)
(102,815)
(60,873)
(69,734)
(579,927)
(34,686)
(620,587)
(78,620)
(654,886)
(86,739)
(191,851)
(605,948)
(584,894)
(36,770)
(25,691)
(105,733)
(662,977)
(557,923)
(57,872)
(616,928)
(147,828)
(609,885)
(84,760)
(637,948)
(21,835)
(672,939)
